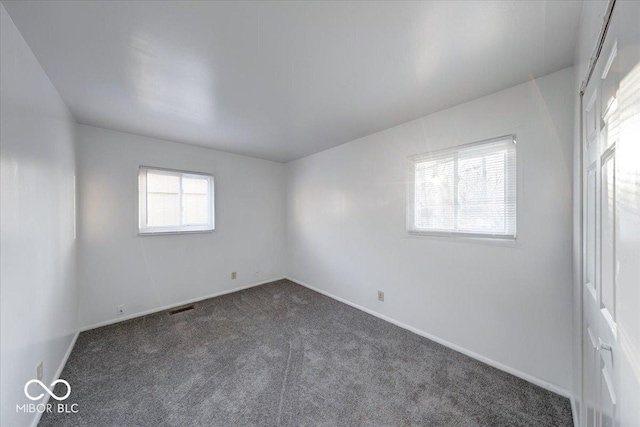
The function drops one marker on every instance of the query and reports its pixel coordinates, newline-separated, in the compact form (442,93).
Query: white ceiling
(284,80)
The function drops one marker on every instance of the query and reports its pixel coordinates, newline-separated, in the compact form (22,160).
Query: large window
(175,201)
(467,190)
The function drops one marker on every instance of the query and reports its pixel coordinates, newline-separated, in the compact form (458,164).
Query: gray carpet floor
(283,355)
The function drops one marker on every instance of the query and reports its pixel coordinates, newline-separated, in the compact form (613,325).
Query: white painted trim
(173,305)
(612,56)
(537,381)
(36,420)
(574,412)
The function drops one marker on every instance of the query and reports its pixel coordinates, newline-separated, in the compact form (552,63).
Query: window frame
(145,230)
(454,152)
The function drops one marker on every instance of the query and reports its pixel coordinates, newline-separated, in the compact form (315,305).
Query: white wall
(38,288)
(145,273)
(347,236)
(342,212)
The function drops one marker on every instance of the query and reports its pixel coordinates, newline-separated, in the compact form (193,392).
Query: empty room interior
(358,213)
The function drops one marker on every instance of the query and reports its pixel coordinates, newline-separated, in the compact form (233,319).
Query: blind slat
(468,190)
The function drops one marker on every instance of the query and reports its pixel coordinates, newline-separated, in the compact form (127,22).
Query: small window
(468,190)
(175,201)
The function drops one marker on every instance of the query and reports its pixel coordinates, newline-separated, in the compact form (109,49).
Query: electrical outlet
(380,296)
(234,275)
(40,371)
(120,310)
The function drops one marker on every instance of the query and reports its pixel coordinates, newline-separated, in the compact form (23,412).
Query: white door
(611,234)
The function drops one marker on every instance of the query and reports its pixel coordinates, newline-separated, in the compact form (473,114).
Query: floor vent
(181,309)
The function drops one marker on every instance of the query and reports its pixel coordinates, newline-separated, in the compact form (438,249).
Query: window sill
(168,232)
(505,241)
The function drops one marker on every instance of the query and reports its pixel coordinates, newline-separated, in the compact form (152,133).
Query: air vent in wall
(181,309)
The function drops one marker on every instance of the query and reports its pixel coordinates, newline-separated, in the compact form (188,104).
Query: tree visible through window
(468,190)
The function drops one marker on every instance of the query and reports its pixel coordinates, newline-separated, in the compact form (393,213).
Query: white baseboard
(544,384)
(173,305)
(56,377)
(488,361)
(36,419)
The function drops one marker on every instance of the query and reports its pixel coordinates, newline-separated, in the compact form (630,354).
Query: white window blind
(467,190)
(175,201)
